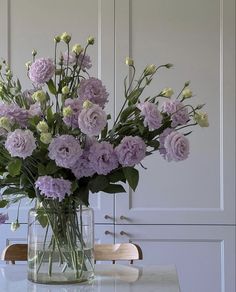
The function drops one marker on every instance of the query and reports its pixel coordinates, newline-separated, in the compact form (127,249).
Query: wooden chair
(102,252)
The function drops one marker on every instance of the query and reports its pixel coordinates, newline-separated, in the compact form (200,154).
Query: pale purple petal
(177,147)
(151,114)
(41,71)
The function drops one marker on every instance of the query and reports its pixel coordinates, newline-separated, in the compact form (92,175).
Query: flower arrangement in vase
(56,147)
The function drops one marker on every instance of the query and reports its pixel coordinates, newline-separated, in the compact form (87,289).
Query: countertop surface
(108,278)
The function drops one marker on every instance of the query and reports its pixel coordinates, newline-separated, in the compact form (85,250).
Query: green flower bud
(15,225)
(67,111)
(87,104)
(187,93)
(0,67)
(57,39)
(65,37)
(65,90)
(186,84)
(129,61)
(77,49)
(168,66)
(167,92)
(28,64)
(34,53)
(46,138)
(150,69)
(39,95)
(42,127)
(202,119)
(90,40)
(5,123)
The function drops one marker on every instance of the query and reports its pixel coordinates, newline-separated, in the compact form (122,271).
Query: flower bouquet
(57,145)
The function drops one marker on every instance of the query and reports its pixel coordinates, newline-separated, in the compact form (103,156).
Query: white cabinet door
(204,255)
(198,37)
(26,25)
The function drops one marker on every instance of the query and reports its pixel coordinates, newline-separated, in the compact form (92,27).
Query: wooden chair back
(15,252)
(118,252)
(102,252)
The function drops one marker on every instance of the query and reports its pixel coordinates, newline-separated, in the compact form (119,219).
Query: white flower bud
(129,61)
(65,37)
(187,93)
(67,111)
(87,104)
(5,123)
(90,40)
(167,92)
(39,95)
(77,49)
(15,225)
(150,69)
(42,127)
(65,89)
(202,119)
(46,138)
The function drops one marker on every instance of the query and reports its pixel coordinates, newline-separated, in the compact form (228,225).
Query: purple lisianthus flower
(177,110)
(162,138)
(83,166)
(20,143)
(55,188)
(92,120)
(103,158)
(152,116)
(41,71)
(35,110)
(14,113)
(177,147)
(65,150)
(76,106)
(3,218)
(130,151)
(93,90)
(71,59)
(84,61)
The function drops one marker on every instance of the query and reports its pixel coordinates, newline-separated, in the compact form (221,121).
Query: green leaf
(52,87)
(132,176)
(13,191)
(41,169)
(42,217)
(104,131)
(51,167)
(117,175)
(14,167)
(74,186)
(83,194)
(124,115)
(50,117)
(134,95)
(3,203)
(113,188)
(154,143)
(98,183)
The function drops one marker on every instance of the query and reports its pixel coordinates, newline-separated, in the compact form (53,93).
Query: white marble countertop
(108,278)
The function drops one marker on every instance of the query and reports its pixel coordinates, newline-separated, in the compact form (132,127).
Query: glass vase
(60,245)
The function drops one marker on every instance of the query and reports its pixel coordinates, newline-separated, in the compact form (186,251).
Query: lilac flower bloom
(103,158)
(152,116)
(41,71)
(76,106)
(130,151)
(55,188)
(84,62)
(65,150)
(177,147)
(20,143)
(14,113)
(92,120)
(35,110)
(93,90)
(3,218)
(162,138)
(27,95)
(179,113)
(83,166)
(71,59)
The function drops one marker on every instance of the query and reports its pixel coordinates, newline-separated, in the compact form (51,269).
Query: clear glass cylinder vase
(60,245)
